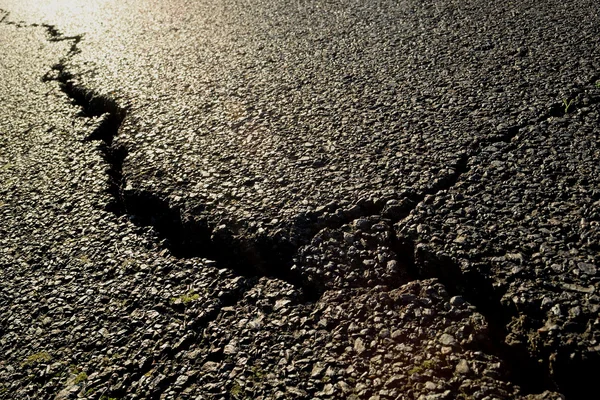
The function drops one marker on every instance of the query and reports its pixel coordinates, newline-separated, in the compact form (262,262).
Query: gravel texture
(534,237)
(359,254)
(299,199)
(85,296)
(266,122)
(410,342)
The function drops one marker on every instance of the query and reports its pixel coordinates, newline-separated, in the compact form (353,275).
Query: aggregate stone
(341,346)
(530,224)
(89,303)
(258,116)
(275,120)
(358,254)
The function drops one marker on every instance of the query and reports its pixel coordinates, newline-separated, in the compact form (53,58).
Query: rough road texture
(309,199)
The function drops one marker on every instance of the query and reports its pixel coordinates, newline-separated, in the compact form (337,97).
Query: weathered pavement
(299,200)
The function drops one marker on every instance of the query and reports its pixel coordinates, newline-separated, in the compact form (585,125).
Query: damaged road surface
(305,199)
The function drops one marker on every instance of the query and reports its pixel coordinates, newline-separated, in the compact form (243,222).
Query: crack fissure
(146,209)
(524,368)
(265,255)
(110,117)
(478,289)
(473,285)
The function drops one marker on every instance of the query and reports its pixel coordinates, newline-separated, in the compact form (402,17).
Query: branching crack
(271,254)
(478,288)
(255,257)
(110,118)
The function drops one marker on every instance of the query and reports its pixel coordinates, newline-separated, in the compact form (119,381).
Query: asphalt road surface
(242,199)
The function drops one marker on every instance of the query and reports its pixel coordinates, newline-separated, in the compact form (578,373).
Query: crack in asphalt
(474,286)
(478,289)
(523,367)
(271,256)
(110,116)
(57,36)
(266,255)
(197,239)
(184,240)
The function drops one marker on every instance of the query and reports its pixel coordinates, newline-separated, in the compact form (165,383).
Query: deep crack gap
(268,256)
(478,289)
(251,258)
(272,257)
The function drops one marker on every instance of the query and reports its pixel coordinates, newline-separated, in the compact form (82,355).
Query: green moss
(425,365)
(567,104)
(120,303)
(82,376)
(185,298)
(73,369)
(415,370)
(236,390)
(257,373)
(37,358)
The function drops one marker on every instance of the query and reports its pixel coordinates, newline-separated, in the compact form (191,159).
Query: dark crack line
(523,368)
(273,256)
(247,254)
(263,255)
(478,289)
(111,117)
(5,20)
(474,285)
(54,34)
(57,36)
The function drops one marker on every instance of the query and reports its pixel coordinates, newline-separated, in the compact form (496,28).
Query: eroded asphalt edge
(170,225)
